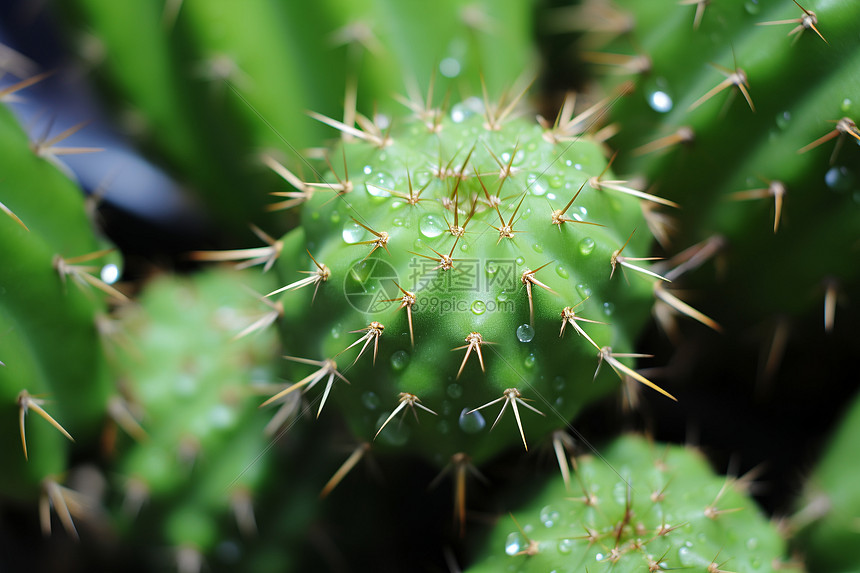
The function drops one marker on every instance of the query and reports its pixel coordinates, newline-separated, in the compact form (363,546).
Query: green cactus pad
(382,229)
(638,506)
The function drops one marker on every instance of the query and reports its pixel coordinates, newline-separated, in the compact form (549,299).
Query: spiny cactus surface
(458,269)
(744,113)
(191,372)
(54,381)
(638,506)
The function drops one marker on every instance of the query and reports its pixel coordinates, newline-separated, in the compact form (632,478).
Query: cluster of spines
(639,506)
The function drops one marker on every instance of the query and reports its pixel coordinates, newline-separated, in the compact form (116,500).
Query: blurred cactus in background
(346,285)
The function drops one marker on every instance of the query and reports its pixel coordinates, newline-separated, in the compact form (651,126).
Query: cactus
(639,506)
(54,380)
(743,113)
(188,366)
(223,81)
(460,266)
(825,522)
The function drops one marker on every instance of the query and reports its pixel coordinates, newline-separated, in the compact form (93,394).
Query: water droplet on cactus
(399,359)
(502,296)
(370,400)
(109,273)
(586,246)
(549,516)
(660,101)
(536,184)
(334,217)
(221,416)
(393,434)
(578,166)
(520,261)
(352,232)
(783,119)
(525,333)
(556,182)
(752,7)
(514,543)
(462,111)
(397,222)
(599,557)
(454,391)
(421,178)
(559,383)
(464,247)
(529,362)
(608,308)
(368,169)
(431,226)
(686,556)
(450,67)
(846,106)
(471,423)
(562,272)
(565,546)
(478,307)
(518,157)
(839,179)
(538,248)
(584,290)
(377,184)
(752,543)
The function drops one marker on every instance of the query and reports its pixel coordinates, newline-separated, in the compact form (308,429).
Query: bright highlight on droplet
(449,67)
(109,273)
(660,101)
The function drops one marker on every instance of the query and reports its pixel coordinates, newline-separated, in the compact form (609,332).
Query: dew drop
(399,359)
(421,178)
(109,273)
(846,106)
(370,400)
(368,169)
(514,543)
(431,226)
(502,296)
(839,179)
(660,101)
(538,248)
(393,434)
(556,181)
(221,416)
(352,232)
(562,272)
(397,222)
(586,246)
(752,7)
(529,361)
(577,166)
(478,307)
(520,261)
(584,290)
(378,183)
(783,119)
(608,308)
(454,391)
(565,546)
(525,333)
(464,247)
(752,543)
(686,556)
(335,217)
(450,67)
(558,383)
(536,184)
(335,331)
(549,516)
(471,423)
